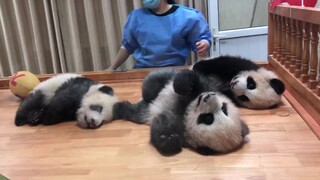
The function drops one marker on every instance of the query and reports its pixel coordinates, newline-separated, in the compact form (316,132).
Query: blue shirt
(164,40)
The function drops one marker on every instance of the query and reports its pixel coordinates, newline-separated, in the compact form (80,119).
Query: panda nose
(92,123)
(208,96)
(233,83)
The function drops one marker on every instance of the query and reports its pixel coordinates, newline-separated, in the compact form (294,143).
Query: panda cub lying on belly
(184,110)
(66,97)
(248,84)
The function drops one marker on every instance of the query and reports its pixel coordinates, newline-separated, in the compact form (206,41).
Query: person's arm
(129,42)
(200,36)
(121,57)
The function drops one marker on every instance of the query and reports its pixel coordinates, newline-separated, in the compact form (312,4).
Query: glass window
(239,14)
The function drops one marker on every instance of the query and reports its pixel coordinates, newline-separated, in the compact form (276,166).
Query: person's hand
(202,47)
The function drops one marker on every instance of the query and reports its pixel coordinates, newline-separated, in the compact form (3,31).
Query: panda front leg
(62,107)
(167,134)
(188,83)
(131,112)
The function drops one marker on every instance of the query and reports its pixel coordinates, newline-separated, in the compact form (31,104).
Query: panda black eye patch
(243,98)
(96,108)
(251,84)
(205,118)
(224,109)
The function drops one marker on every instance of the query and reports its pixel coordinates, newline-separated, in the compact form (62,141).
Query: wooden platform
(281,146)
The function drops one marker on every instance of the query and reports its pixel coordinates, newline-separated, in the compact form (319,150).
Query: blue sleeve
(129,40)
(199,30)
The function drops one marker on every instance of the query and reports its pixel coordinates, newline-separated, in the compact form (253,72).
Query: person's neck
(163,7)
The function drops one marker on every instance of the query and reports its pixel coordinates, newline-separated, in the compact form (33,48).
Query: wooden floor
(281,146)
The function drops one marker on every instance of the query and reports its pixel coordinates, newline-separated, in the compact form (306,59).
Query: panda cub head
(96,106)
(213,123)
(259,89)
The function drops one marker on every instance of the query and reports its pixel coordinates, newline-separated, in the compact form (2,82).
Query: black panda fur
(246,83)
(181,113)
(59,99)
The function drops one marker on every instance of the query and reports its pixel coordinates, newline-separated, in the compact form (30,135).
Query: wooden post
(293,46)
(288,42)
(318,86)
(272,35)
(279,26)
(305,54)
(298,50)
(274,32)
(283,40)
(312,83)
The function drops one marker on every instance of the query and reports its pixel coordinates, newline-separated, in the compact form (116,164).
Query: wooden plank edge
(309,112)
(102,76)
(304,113)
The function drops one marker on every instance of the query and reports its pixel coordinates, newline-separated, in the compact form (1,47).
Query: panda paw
(168,144)
(36,118)
(187,83)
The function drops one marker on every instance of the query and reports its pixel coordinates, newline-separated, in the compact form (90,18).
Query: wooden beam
(306,14)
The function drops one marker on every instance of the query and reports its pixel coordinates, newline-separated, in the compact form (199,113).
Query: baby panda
(67,97)
(183,113)
(247,84)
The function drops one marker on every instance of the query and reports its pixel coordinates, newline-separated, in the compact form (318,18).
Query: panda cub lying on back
(67,97)
(248,84)
(184,110)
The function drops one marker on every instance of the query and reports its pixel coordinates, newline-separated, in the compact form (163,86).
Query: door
(239,27)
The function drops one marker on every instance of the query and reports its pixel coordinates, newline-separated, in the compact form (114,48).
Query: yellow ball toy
(22,83)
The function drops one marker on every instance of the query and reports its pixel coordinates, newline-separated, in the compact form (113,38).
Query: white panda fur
(167,99)
(225,133)
(235,72)
(173,103)
(263,96)
(92,98)
(58,99)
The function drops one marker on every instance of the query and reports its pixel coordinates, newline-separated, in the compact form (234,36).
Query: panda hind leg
(167,134)
(31,110)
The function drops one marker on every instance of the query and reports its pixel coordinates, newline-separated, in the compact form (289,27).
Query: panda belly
(167,101)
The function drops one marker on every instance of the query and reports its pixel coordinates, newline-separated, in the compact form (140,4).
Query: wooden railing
(293,46)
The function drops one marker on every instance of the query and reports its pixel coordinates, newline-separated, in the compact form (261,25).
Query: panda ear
(106,90)
(277,85)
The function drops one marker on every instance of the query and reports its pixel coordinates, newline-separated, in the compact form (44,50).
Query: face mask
(151,4)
